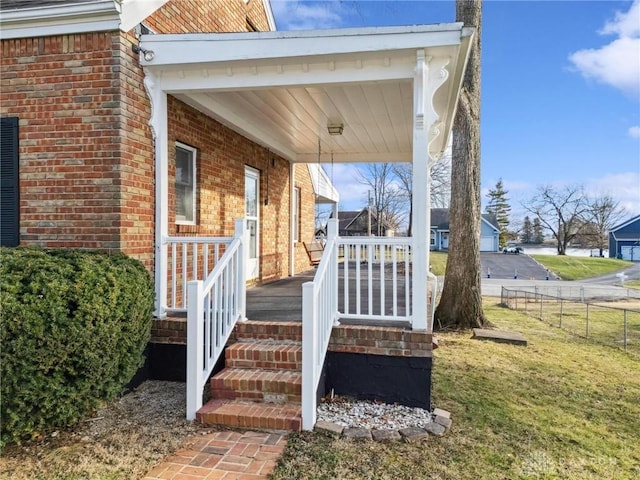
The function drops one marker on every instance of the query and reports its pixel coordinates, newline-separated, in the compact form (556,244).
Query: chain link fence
(617,326)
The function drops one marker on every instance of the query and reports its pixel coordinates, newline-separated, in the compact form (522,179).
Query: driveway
(632,273)
(501,265)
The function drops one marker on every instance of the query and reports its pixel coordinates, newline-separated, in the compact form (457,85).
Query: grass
(606,320)
(635,284)
(561,408)
(438,261)
(577,268)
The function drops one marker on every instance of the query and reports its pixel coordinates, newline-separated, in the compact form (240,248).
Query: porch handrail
(319,310)
(189,258)
(214,307)
(388,259)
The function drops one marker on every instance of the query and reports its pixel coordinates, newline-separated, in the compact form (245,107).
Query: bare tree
(461,303)
(386,196)
(603,213)
(561,210)
(440,173)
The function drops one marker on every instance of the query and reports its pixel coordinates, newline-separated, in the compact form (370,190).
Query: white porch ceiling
(283,89)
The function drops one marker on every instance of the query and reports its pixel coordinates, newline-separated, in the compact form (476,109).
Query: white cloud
(624,187)
(624,24)
(617,63)
(634,132)
(305,15)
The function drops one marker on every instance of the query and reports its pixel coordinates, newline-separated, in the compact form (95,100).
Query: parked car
(512,249)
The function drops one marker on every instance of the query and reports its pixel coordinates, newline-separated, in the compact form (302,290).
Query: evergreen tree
(499,206)
(538,235)
(527,231)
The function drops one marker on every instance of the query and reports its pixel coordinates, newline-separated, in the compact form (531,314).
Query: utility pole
(369,215)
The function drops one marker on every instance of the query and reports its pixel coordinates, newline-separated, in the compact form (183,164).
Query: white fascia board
(625,224)
(70,18)
(437,149)
(175,80)
(269,13)
(181,49)
(490,225)
(60,19)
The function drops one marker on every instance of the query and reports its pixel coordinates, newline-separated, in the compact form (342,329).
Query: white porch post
(158,123)
(242,232)
(421,204)
(292,248)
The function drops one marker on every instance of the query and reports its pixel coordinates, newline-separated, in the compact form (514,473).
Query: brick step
(269,354)
(268,330)
(247,414)
(270,386)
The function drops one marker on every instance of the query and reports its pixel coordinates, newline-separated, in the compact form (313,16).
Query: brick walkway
(222,455)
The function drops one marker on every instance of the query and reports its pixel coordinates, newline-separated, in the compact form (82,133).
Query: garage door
(630,253)
(486,244)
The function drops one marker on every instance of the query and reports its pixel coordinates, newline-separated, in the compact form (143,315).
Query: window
(9,183)
(296,214)
(185,184)
(433,237)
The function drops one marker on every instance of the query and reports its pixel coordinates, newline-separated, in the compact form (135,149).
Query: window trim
(194,154)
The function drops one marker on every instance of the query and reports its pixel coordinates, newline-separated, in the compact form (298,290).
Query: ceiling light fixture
(335,128)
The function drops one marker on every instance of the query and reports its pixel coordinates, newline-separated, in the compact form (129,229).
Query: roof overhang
(75,17)
(282,89)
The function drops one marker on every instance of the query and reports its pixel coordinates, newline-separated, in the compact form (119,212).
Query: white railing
(319,310)
(214,307)
(375,278)
(189,258)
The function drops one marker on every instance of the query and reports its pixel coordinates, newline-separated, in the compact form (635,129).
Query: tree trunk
(461,302)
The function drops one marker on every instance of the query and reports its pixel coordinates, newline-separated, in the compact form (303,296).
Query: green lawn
(633,284)
(561,408)
(438,261)
(577,268)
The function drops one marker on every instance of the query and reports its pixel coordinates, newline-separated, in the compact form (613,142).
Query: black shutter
(9,183)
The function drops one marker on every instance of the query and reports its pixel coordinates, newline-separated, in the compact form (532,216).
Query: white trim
(297,195)
(269,13)
(497,230)
(292,250)
(194,168)
(69,18)
(625,224)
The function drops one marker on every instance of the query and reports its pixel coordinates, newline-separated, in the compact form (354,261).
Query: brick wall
(65,91)
(188,16)
(222,155)
(86,151)
(307,217)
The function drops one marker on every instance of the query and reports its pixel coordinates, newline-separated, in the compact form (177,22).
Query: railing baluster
(173,275)
(184,274)
(382,275)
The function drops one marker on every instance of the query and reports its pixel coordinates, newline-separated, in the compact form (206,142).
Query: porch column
(159,128)
(292,246)
(421,204)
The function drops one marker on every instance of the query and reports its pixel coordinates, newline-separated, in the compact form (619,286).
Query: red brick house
(137,126)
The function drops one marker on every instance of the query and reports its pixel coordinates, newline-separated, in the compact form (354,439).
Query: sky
(560,90)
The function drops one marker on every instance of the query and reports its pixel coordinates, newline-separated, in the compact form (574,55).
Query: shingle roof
(440,218)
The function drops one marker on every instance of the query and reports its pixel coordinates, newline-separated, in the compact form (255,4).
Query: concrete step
(268,330)
(247,414)
(268,354)
(270,386)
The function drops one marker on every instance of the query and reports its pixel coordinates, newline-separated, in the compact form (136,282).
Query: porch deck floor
(281,300)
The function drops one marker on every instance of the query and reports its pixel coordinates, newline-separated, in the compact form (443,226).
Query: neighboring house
(138,126)
(489,231)
(624,240)
(356,223)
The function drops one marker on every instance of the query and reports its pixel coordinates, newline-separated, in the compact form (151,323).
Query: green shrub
(73,328)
